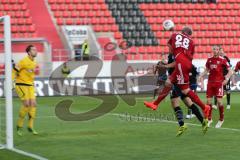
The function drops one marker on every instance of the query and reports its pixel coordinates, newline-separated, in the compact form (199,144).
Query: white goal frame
(8,81)
(9,144)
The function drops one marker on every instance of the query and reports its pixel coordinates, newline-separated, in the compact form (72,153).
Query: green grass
(120,138)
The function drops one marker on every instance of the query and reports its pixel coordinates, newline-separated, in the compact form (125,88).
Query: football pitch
(126,133)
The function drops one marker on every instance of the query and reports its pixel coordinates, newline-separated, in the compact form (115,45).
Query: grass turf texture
(117,137)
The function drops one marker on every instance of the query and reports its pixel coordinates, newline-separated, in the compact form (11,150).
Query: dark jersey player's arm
(228,75)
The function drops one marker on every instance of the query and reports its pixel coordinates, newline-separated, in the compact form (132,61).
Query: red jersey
(216,65)
(182,47)
(237,67)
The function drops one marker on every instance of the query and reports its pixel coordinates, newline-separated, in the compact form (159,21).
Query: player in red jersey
(237,67)
(216,80)
(182,47)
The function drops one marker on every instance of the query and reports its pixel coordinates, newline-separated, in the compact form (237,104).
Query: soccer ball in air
(168,25)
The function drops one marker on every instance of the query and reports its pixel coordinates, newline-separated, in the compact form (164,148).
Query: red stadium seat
(60,21)
(70,7)
(65,14)
(212,23)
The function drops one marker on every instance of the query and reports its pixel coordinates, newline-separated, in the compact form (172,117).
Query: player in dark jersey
(216,80)
(237,67)
(175,96)
(227,87)
(161,76)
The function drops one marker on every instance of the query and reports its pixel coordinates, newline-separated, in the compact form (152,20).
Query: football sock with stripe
(196,111)
(210,112)
(221,112)
(179,115)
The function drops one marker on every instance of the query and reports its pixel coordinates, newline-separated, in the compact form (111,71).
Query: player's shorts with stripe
(214,89)
(227,87)
(176,91)
(25,92)
(180,75)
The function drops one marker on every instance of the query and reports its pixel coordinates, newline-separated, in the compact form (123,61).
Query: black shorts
(176,91)
(227,87)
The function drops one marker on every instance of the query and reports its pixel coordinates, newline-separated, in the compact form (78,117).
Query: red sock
(221,112)
(194,97)
(164,92)
(210,112)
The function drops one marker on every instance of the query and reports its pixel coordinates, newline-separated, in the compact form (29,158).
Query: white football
(168,25)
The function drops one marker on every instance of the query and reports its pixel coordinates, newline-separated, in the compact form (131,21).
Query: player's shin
(22,113)
(32,115)
(228,98)
(221,112)
(179,115)
(197,113)
(163,93)
(210,112)
(193,96)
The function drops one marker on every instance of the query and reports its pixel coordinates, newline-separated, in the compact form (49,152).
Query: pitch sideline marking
(29,154)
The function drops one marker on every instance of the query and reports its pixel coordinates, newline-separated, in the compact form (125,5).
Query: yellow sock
(32,115)
(22,113)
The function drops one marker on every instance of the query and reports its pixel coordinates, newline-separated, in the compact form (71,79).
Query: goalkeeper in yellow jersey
(24,73)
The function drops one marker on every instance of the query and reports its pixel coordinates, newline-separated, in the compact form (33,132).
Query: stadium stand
(139,22)
(22,22)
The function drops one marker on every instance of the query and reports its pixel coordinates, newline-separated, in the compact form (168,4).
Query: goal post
(8,81)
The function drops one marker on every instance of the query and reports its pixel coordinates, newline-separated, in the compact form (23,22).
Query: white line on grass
(29,154)
(146,118)
(167,121)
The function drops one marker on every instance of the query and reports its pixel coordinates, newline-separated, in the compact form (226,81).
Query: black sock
(228,98)
(215,101)
(179,115)
(196,111)
(189,111)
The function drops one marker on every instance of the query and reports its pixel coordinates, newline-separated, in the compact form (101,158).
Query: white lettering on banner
(39,88)
(132,85)
(66,88)
(119,86)
(92,86)
(238,85)
(95,91)
(81,85)
(107,85)
(50,90)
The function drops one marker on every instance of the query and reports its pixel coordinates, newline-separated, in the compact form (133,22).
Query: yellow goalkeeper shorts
(25,92)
